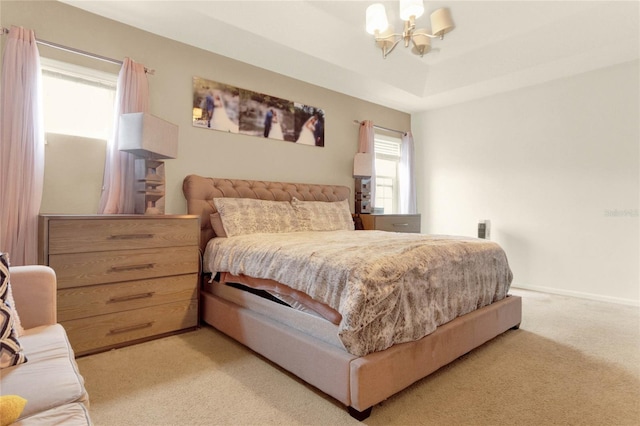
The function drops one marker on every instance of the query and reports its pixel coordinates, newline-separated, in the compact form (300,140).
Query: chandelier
(419,39)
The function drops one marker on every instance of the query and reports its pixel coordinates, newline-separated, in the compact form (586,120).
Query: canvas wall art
(225,108)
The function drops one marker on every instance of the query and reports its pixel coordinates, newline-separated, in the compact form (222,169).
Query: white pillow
(323,215)
(242,216)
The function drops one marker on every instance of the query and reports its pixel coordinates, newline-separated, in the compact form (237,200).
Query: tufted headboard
(200,192)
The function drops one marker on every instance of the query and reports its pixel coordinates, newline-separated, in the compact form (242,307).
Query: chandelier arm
(386,52)
(402,37)
(387,37)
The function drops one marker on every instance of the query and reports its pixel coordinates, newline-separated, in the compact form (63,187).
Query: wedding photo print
(266,116)
(215,105)
(222,107)
(309,125)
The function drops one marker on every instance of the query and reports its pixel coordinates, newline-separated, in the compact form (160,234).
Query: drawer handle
(130,236)
(131,267)
(131,297)
(130,328)
(400,224)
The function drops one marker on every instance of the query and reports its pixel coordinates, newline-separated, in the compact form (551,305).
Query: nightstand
(392,222)
(122,279)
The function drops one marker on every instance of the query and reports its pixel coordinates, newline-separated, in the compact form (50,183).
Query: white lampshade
(363,165)
(147,136)
(409,8)
(376,18)
(441,22)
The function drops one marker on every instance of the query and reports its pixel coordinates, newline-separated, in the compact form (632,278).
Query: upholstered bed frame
(357,382)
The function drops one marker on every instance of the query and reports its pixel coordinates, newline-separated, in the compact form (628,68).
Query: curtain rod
(79,52)
(382,128)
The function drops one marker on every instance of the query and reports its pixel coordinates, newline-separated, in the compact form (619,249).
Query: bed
(308,330)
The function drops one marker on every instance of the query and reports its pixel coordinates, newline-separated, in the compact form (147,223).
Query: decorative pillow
(11,407)
(324,216)
(242,216)
(216,224)
(10,349)
(17,324)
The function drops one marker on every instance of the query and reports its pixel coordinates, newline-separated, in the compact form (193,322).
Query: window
(387,150)
(77,101)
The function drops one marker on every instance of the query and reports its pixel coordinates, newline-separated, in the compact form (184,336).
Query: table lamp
(152,139)
(362,171)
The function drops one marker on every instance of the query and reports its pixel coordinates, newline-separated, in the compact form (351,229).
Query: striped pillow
(10,349)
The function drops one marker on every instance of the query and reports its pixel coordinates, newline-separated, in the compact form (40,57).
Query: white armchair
(34,292)
(49,381)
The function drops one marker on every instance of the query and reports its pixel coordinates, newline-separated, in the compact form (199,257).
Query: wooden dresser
(391,222)
(122,278)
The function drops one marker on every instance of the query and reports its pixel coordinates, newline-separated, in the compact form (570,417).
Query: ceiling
(497,45)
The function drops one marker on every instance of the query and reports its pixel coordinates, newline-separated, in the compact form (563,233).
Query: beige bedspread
(389,287)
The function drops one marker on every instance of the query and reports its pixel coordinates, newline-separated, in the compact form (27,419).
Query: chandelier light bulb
(376,18)
(409,8)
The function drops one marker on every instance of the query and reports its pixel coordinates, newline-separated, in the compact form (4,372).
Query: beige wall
(556,169)
(201,151)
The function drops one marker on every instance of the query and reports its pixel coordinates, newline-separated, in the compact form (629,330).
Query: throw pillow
(324,215)
(11,407)
(14,311)
(241,216)
(10,349)
(216,224)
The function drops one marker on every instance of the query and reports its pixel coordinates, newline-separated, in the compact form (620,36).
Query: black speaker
(484,229)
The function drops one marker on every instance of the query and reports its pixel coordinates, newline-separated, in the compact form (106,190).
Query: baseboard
(579,294)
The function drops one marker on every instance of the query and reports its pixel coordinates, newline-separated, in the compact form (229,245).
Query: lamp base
(150,184)
(363,195)
(153,211)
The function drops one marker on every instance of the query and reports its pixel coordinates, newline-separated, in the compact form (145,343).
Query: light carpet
(572,362)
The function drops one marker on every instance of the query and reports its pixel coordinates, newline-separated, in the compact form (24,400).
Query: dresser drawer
(79,269)
(97,333)
(90,235)
(397,223)
(82,302)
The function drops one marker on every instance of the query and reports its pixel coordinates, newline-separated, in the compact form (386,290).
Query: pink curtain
(365,144)
(21,147)
(407,181)
(132,95)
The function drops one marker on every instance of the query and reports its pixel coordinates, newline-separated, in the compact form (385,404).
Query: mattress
(301,320)
(389,288)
